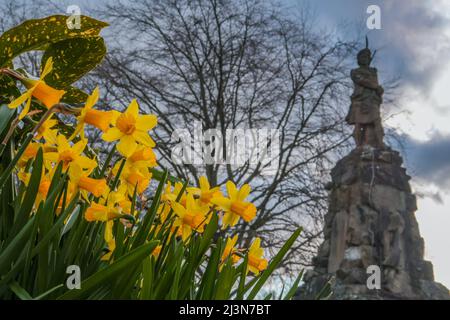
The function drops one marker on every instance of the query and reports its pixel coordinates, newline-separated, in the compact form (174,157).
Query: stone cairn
(370,221)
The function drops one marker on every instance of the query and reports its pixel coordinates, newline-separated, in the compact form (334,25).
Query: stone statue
(364,111)
(371,215)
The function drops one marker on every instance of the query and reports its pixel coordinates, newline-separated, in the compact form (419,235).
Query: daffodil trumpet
(37,88)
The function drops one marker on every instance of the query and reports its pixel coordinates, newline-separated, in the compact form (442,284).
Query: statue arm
(363,81)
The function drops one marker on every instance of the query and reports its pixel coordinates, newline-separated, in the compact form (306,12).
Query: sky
(412,46)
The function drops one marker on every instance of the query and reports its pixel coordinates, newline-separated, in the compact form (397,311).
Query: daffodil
(97,118)
(30,152)
(130,128)
(80,179)
(44,185)
(40,90)
(230,250)
(117,205)
(191,218)
(136,168)
(157,251)
(110,240)
(205,193)
(256,262)
(170,196)
(68,154)
(45,130)
(143,157)
(133,178)
(234,206)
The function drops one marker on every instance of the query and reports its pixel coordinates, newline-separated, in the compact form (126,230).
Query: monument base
(370,226)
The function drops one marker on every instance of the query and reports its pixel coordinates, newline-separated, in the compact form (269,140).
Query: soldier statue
(366,99)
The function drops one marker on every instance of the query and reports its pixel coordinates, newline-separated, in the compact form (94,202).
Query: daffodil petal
(244,192)
(231,189)
(63,144)
(86,163)
(133,108)
(146,122)
(26,109)
(79,146)
(47,68)
(144,138)
(222,202)
(92,99)
(127,145)
(17,102)
(204,184)
(178,209)
(112,134)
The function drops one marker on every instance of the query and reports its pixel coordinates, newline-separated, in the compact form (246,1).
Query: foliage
(60,205)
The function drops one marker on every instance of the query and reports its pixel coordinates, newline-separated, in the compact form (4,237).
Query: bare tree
(237,64)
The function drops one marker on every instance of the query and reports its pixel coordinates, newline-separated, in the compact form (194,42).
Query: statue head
(364,57)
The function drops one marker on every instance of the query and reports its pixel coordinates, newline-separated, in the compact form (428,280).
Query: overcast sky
(413,44)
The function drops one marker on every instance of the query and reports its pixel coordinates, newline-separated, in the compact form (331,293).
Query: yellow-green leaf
(37,34)
(72,58)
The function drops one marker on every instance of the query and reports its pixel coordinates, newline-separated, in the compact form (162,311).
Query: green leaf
(243,270)
(294,287)
(147,278)
(46,293)
(31,193)
(74,95)
(110,272)
(19,291)
(72,58)
(212,269)
(5,117)
(9,254)
(37,34)
(6,174)
(8,91)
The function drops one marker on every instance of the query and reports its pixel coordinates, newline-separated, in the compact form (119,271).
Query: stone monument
(370,224)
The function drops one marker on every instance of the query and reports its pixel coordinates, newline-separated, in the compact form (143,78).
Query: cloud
(429,161)
(412,43)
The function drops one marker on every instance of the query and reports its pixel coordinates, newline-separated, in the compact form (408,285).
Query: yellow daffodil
(40,90)
(133,178)
(117,205)
(169,196)
(193,217)
(205,193)
(234,206)
(109,238)
(256,262)
(136,168)
(69,155)
(157,251)
(97,118)
(44,185)
(143,156)
(230,251)
(131,128)
(80,179)
(45,130)
(30,152)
